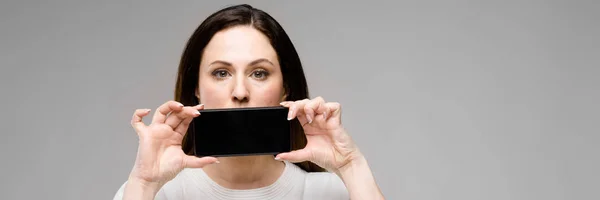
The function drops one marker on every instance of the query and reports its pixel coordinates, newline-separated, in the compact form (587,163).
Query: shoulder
(324,185)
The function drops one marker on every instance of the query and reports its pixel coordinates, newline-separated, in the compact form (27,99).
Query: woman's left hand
(328,144)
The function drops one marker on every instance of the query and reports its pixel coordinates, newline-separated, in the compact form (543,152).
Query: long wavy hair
(294,81)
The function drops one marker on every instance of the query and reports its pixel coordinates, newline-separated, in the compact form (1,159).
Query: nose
(240,91)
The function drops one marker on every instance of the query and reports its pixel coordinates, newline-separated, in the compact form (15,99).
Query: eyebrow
(251,63)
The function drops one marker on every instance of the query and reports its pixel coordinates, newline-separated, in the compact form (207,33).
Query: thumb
(295,156)
(196,162)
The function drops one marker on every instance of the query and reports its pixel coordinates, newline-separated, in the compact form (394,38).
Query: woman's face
(239,68)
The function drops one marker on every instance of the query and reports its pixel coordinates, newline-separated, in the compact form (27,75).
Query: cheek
(212,96)
(270,96)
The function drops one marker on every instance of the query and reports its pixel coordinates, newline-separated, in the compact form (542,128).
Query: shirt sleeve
(324,185)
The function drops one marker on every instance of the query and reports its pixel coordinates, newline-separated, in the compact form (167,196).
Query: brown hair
(294,81)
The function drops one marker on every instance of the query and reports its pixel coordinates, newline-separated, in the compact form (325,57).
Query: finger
(136,120)
(285,103)
(175,118)
(183,127)
(199,107)
(335,109)
(313,108)
(296,107)
(295,156)
(163,110)
(196,162)
(326,112)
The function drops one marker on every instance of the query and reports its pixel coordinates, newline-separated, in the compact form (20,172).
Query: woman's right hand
(160,157)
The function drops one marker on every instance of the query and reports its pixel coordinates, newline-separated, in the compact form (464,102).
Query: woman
(241,57)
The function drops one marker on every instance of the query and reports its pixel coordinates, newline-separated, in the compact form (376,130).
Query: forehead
(237,45)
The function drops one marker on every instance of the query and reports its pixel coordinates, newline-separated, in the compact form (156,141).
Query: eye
(220,73)
(260,74)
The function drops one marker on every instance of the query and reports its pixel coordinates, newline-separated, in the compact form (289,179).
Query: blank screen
(242,131)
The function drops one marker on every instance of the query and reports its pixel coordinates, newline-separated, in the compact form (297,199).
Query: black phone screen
(242,131)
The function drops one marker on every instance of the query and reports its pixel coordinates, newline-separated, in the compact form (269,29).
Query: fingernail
(200,105)
(325,115)
(308,118)
(277,158)
(217,162)
(197,112)
(179,104)
(290,115)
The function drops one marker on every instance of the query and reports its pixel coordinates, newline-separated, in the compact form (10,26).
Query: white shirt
(294,183)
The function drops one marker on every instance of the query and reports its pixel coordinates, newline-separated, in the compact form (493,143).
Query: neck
(245,172)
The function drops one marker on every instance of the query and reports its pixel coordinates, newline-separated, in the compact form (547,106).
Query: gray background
(448,100)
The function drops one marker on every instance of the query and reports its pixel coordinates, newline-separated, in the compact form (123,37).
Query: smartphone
(242,131)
